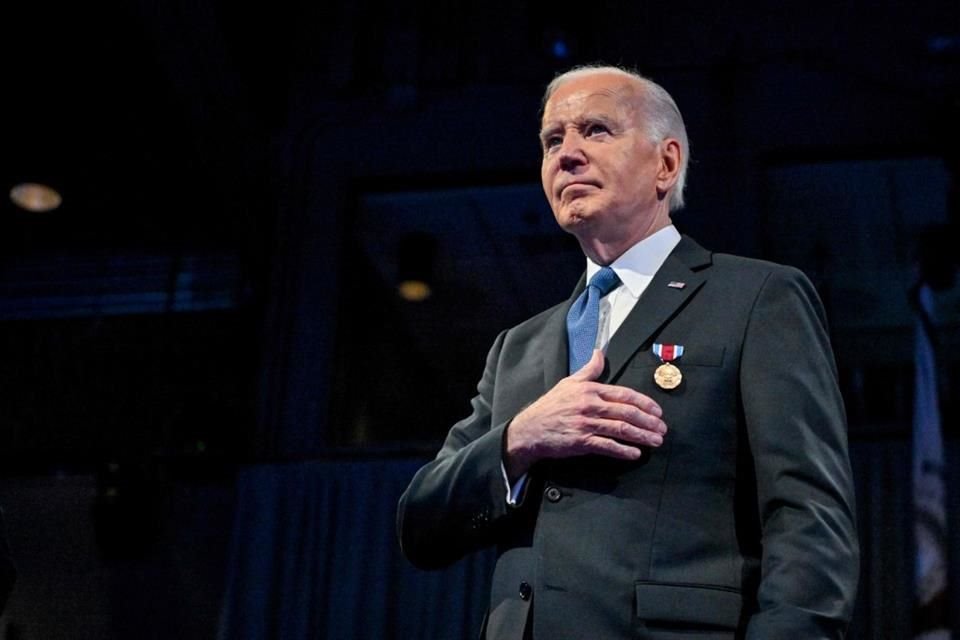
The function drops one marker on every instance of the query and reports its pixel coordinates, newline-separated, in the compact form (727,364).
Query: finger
(593,368)
(626,395)
(631,415)
(612,449)
(625,432)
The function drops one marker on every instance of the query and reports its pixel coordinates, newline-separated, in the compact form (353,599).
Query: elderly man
(664,454)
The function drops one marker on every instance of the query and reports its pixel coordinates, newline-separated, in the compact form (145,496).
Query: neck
(604,251)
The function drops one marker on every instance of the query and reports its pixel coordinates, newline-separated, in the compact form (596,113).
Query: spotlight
(35,197)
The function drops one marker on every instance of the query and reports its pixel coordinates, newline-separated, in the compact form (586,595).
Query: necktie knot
(605,280)
(583,319)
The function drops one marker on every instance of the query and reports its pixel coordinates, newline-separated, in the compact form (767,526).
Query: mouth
(579,187)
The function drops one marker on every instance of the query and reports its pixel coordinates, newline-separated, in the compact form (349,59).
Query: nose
(571,153)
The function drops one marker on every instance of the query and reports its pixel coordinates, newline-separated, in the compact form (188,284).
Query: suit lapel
(659,302)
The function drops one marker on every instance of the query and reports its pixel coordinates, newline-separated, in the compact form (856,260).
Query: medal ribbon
(667,352)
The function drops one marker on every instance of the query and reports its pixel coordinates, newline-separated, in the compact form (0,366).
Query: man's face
(600,169)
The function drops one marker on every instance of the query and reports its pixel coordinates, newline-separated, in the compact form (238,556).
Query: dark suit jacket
(740,525)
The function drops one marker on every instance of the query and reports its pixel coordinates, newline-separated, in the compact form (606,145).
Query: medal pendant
(667,376)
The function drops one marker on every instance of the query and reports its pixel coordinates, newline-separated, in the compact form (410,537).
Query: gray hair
(661,116)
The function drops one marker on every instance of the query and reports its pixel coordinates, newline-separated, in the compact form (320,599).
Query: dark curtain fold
(881,471)
(314,554)
(7,572)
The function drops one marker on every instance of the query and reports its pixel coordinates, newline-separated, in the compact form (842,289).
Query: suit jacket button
(525,591)
(553,494)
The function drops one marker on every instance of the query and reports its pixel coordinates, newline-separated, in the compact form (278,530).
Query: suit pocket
(681,605)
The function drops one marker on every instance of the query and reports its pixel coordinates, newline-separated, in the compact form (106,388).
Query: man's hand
(580,416)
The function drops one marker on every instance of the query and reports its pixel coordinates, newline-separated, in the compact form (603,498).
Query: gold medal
(667,376)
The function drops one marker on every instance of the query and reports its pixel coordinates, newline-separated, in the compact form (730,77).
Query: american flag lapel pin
(675,284)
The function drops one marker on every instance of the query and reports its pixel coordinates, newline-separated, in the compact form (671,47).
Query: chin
(570,222)
(576,218)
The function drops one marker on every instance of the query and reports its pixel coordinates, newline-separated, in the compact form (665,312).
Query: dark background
(217,293)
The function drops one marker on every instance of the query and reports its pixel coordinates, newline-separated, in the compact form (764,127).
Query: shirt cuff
(515,493)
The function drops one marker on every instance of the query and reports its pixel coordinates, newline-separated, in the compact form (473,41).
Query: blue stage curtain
(881,471)
(314,554)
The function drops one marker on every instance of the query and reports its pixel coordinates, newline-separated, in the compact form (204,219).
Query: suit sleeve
(796,427)
(454,503)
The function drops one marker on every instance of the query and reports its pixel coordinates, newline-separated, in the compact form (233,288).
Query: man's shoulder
(749,278)
(741,272)
(731,262)
(741,266)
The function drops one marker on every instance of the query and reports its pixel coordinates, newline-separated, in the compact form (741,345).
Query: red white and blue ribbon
(667,352)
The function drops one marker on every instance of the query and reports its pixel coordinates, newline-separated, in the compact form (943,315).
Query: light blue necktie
(583,318)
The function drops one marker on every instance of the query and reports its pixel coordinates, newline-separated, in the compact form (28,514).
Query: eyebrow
(580,122)
(549,130)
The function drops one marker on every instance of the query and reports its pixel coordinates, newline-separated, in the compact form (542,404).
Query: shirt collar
(640,262)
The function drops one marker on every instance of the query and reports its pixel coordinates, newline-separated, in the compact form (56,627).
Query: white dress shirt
(635,268)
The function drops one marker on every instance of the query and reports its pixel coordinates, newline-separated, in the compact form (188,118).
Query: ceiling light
(35,197)
(414,290)
(415,264)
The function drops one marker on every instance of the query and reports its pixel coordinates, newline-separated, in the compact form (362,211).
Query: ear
(669,170)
